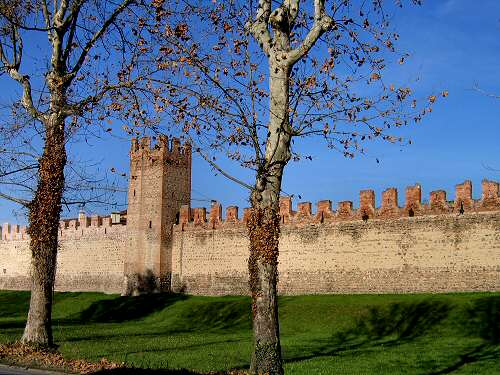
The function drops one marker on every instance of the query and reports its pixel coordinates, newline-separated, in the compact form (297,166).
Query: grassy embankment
(352,334)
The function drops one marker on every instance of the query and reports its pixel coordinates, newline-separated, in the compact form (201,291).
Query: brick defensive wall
(90,258)
(161,244)
(441,246)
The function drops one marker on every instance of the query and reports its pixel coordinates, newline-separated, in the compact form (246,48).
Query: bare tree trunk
(264,228)
(44,218)
(38,329)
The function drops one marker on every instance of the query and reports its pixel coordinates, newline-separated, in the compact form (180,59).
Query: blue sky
(454,45)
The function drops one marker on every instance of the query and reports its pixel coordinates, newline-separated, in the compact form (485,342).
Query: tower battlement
(172,151)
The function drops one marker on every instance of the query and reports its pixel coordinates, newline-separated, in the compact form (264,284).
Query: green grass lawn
(334,334)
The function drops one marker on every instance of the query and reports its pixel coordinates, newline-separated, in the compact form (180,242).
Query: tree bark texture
(264,228)
(44,216)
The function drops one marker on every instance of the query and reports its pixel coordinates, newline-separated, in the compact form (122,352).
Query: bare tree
(250,81)
(485,93)
(85,71)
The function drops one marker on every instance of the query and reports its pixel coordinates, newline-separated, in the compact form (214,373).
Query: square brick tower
(160,183)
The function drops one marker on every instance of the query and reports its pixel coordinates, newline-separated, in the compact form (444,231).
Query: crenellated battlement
(69,228)
(196,218)
(164,149)
(13,232)
(84,221)
(91,226)
(92,232)
(201,218)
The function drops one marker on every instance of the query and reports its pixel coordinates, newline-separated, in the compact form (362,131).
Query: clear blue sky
(454,45)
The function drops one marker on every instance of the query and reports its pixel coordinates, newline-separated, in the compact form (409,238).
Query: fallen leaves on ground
(26,355)
(18,354)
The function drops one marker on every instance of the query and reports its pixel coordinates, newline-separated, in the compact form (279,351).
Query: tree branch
(46,16)
(27,99)
(29,167)
(79,107)
(480,90)
(59,15)
(322,23)
(22,202)
(221,171)
(259,28)
(20,25)
(13,70)
(71,22)
(97,35)
(293,10)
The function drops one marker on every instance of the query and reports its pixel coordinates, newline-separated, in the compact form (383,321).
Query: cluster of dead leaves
(29,356)
(25,355)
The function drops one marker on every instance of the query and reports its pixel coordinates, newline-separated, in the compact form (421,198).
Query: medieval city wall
(441,246)
(91,256)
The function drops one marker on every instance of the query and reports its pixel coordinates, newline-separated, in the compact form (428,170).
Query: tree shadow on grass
(125,308)
(402,321)
(207,316)
(391,325)
(204,316)
(115,310)
(223,315)
(12,324)
(480,353)
(14,304)
(481,319)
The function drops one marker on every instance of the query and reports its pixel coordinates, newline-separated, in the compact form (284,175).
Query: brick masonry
(90,257)
(440,246)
